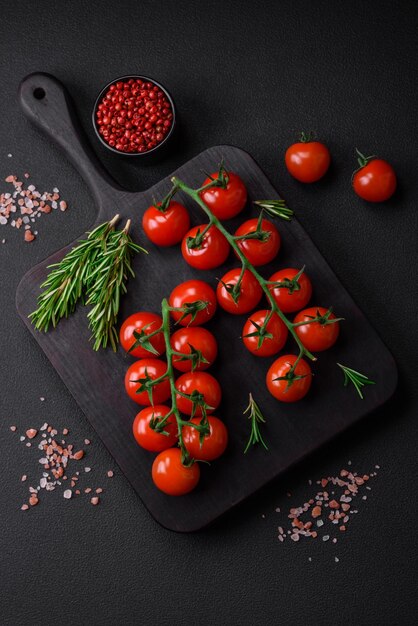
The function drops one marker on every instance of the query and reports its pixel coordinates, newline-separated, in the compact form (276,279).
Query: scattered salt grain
(325,538)
(87,469)
(67,494)
(110,474)
(337,560)
(95,500)
(13,429)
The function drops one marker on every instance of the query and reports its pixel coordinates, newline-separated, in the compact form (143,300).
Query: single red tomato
(137,327)
(249,295)
(166,228)
(291,387)
(139,374)
(171,476)
(207,252)
(317,336)
(275,334)
(225,202)
(296,295)
(196,341)
(307,161)
(188,293)
(259,251)
(147,437)
(375,181)
(213,444)
(203,387)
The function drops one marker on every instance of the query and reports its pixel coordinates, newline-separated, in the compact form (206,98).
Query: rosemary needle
(64,284)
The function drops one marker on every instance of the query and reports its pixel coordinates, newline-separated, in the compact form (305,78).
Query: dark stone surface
(252,77)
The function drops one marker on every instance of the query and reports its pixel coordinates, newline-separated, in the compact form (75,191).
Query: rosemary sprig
(65,282)
(276,208)
(257,418)
(359,380)
(106,282)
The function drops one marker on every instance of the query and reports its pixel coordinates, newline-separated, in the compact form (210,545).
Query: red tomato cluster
(239,292)
(194,350)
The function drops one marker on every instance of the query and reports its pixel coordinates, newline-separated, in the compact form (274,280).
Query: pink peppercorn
(134,116)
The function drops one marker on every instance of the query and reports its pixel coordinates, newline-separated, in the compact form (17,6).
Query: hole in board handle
(39,93)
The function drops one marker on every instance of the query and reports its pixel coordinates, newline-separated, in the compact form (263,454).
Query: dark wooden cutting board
(96,379)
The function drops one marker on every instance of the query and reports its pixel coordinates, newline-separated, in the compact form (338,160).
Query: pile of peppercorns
(134,116)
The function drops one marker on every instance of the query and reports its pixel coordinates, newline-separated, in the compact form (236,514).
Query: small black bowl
(159,148)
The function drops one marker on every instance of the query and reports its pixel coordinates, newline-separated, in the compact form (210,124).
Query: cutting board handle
(47,103)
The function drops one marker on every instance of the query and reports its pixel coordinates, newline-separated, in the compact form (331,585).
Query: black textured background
(251,75)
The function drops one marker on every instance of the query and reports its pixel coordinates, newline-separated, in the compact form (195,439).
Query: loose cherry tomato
(147,437)
(186,294)
(375,181)
(317,336)
(194,340)
(307,161)
(275,334)
(298,387)
(210,252)
(290,299)
(259,251)
(166,228)
(130,334)
(201,386)
(143,370)
(213,444)
(249,295)
(171,476)
(225,202)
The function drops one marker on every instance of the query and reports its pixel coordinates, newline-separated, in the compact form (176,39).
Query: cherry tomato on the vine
(291,299)
(275,333)
(249,296)
(147,323)
(317,336)
(192,341)
(166,228)
(193,291)
(293,389)
(259,251)
(228,202)
(147,437)
(375,181)
(143,370)
(200,385)
(307,161)
(171,476)
(212,251)
(213,444)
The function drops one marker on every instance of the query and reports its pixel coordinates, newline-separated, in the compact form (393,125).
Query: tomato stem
(165,310)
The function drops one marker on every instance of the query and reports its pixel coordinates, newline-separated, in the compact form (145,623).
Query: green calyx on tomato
(190,309)
(307,137)
(142,340)
(261,331)
(222,178)
(321,318)
(147,383)
(364,160)
(291,284)
(195,357)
